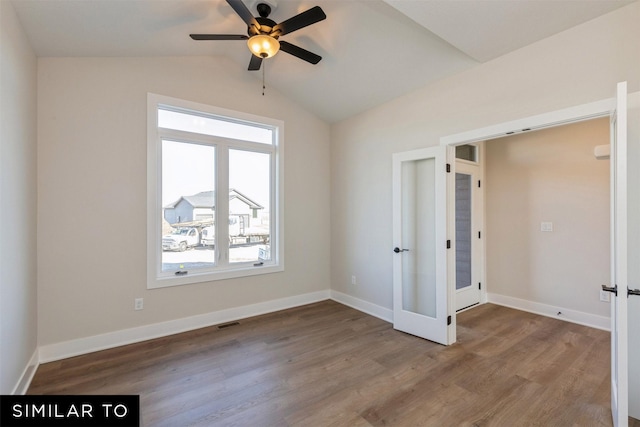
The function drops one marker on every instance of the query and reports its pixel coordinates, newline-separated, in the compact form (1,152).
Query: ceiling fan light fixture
(263,46)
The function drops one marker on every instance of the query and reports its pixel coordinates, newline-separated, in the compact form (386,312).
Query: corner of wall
(18,179)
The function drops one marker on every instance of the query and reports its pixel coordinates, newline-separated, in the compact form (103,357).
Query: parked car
(181,239)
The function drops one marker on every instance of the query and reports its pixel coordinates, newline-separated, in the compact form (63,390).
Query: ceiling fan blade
(255,63)
(311,16)
(299,52)
(243,11)
(218,36)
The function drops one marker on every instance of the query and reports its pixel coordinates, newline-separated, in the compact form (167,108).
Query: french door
(468,244)
(420,294)
(619,281)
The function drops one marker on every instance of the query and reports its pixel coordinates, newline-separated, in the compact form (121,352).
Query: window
(467,152)
(214,193)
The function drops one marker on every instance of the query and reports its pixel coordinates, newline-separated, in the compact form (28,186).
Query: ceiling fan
(263,33)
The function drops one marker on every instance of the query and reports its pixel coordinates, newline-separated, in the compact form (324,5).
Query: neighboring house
(201,207)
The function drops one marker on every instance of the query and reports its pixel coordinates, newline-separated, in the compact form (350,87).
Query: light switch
(546,226)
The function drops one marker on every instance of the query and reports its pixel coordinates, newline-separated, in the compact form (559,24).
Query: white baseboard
(574,316)
(364,306)
(63,350)
(27,374)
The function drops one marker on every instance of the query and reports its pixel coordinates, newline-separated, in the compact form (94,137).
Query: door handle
(633,292)
(397,250)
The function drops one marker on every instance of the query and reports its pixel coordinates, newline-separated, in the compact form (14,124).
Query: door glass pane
(188,203)
(418,236)
(463,230)
(249,206)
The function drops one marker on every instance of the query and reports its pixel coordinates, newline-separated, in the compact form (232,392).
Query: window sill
(203,277)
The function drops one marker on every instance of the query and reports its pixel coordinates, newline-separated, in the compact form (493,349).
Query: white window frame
(156,278)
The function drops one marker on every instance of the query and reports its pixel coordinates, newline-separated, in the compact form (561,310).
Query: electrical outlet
(138,304)
(353,280)
(605,296)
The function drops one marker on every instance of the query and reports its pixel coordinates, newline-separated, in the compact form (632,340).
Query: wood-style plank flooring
(326,364)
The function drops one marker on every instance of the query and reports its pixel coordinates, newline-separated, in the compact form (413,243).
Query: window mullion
(222,206)
(275,195)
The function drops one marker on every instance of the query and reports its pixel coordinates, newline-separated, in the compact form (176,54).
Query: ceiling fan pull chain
(264,66)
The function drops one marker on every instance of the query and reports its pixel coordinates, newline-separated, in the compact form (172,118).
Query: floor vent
(226,325)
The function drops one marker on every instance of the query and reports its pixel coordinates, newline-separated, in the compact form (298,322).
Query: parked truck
(181,239)
(208,236)
(238,235)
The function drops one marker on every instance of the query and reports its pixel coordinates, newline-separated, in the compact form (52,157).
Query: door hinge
(480,285)
(448,244)
(479,235)
(448,320)
(448,167)
(478,183)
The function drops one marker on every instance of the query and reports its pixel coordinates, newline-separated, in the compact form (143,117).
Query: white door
(420,300)
(468,243)
(619,347)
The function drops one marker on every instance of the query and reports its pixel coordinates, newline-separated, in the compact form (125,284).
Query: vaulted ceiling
(373,50)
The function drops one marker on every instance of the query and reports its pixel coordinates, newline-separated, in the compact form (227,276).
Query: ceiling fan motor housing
(266,24)
(266,27)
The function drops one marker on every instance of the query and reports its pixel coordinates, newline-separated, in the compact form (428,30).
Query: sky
(190,168)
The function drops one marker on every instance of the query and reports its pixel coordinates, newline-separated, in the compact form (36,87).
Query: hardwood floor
(326,364)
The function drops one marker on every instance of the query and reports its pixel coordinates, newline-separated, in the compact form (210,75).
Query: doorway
(616,108)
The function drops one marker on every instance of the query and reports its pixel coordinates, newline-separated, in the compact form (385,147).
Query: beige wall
(553,176)
(18,316)
(574,67)
(92,193)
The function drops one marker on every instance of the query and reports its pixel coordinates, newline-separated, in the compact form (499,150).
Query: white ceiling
(372,51)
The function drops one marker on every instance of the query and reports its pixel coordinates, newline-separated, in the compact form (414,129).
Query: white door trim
(565,116)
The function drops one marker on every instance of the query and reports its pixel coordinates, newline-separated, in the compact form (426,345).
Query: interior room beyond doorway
(547,219)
